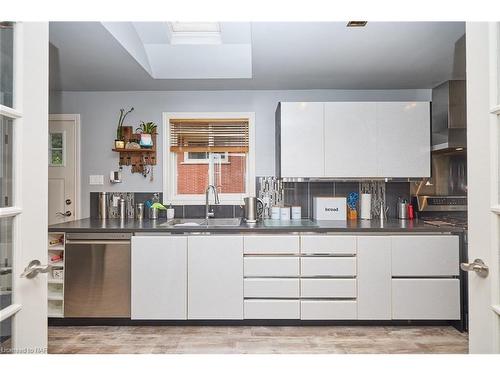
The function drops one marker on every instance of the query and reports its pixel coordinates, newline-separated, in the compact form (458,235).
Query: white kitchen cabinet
(269,266)
(422,255)
(272,309)
(215,277)
(328,288)
(159,277)
(327,310)
(353,139)
(272,288)
(328,245)
(426,299)
(374,277)
(403,139)
(301,133)
(350,139)
(271,244)
(328,266)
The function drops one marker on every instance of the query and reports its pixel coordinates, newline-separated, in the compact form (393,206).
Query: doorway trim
(75,118)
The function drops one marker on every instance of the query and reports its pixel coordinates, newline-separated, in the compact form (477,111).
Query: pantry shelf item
(55,282)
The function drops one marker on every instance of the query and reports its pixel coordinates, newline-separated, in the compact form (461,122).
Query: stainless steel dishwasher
(97,275)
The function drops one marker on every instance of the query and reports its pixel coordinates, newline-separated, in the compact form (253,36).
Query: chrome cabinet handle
(477,266)
(34,268)
(67,213)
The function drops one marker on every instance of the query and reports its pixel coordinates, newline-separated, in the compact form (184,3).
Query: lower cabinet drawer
(328,288)
(272,309)
(271,288)
(328,266)
(271,266)
(426,299)
(328,310)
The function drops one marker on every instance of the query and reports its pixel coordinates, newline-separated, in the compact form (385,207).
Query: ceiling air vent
(357,23)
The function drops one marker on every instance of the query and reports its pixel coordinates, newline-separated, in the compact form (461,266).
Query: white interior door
(23,174)
(63,168)
(483,122)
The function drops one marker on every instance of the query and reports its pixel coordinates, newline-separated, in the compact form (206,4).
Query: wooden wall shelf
(139,157)
(134,150)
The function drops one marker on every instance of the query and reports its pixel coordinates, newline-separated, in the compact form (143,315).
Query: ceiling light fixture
(357,23)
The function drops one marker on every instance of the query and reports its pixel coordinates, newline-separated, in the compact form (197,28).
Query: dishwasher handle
(98,242)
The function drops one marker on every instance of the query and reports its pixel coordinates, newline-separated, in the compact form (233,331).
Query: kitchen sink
(216,222)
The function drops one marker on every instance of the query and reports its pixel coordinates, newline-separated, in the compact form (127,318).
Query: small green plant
(147,128)
(119,129)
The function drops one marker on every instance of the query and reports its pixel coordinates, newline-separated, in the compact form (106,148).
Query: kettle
(254,207)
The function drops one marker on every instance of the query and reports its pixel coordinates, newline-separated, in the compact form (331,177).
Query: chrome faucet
(216,201)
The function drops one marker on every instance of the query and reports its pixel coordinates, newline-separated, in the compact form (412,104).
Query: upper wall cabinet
(353,139)
(302,146)
(404,139)
(350,140)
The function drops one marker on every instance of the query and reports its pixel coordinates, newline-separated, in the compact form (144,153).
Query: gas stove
(442,211)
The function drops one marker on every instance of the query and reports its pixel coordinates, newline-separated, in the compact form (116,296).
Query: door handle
(66,214)
(477,266)
(34,268)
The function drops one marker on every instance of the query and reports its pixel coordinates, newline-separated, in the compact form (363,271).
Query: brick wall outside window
(193,178)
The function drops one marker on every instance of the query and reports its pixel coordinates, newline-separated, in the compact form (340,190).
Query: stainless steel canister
(403,210)
(122,205)
(153,213)
(139,211)
(103,205)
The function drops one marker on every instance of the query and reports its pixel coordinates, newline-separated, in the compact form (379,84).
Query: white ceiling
(292,55)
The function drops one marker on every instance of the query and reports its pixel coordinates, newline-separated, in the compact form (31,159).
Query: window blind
(209,135)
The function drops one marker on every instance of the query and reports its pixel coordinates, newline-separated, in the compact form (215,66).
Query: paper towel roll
(366,206)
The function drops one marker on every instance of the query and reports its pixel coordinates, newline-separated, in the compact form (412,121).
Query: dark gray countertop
(116,225)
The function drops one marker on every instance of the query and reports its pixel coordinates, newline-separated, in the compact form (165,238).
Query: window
(208,150)
(204,157)
(56,149)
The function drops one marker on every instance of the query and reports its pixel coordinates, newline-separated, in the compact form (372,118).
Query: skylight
(195,27)
(195,33)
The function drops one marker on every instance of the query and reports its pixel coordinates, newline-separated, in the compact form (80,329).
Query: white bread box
(330,208)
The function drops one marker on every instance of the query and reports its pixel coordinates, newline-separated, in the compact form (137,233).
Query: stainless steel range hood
(449,117)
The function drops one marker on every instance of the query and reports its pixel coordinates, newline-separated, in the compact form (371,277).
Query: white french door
(483,145)
(23,185)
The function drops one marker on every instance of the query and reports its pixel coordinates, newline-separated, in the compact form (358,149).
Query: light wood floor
(245,339)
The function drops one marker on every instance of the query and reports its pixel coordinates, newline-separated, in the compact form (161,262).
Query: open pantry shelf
(55,284)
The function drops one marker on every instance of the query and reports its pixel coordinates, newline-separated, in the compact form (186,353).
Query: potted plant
(146,130)
(119,142)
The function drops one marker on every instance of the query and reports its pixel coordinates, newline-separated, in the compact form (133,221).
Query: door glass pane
(56,149)
(5,162)
(6,336)
(6,63)
(5,268)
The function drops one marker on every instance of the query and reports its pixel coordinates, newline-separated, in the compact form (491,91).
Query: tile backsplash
(184,211)
(302,193)
(295,194)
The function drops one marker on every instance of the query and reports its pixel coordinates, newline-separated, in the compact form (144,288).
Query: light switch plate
(96,179)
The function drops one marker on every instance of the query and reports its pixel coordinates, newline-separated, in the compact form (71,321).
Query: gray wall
(99,115)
